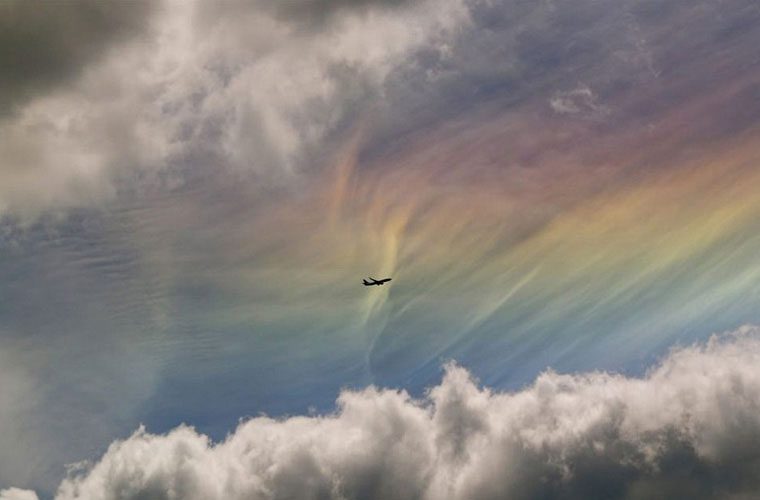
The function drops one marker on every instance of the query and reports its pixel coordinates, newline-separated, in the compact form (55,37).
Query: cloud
(579,100)
(109,96)
(689,429)
(43,44)
(317,12)
(17,494)
(236,85)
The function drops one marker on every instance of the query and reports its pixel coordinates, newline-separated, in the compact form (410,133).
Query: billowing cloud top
(689,429)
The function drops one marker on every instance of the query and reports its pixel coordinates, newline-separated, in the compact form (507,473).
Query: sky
(565,193)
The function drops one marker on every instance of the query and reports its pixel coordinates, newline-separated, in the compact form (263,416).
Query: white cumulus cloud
(690,428)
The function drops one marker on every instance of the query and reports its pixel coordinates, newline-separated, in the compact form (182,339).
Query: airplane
(372,281)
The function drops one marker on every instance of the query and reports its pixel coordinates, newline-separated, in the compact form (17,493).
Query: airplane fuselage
(374,282)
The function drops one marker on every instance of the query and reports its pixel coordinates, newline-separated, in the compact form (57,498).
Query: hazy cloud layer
(689,429)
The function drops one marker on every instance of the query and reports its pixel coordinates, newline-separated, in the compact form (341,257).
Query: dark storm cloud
(45,43)
(689,429)
(317,12)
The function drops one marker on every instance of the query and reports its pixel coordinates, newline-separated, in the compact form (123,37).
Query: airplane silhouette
(372,281)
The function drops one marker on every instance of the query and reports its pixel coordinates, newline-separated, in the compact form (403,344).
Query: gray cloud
(689,429)
(45,43)
(314,13)
(236,86)
(268,88)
